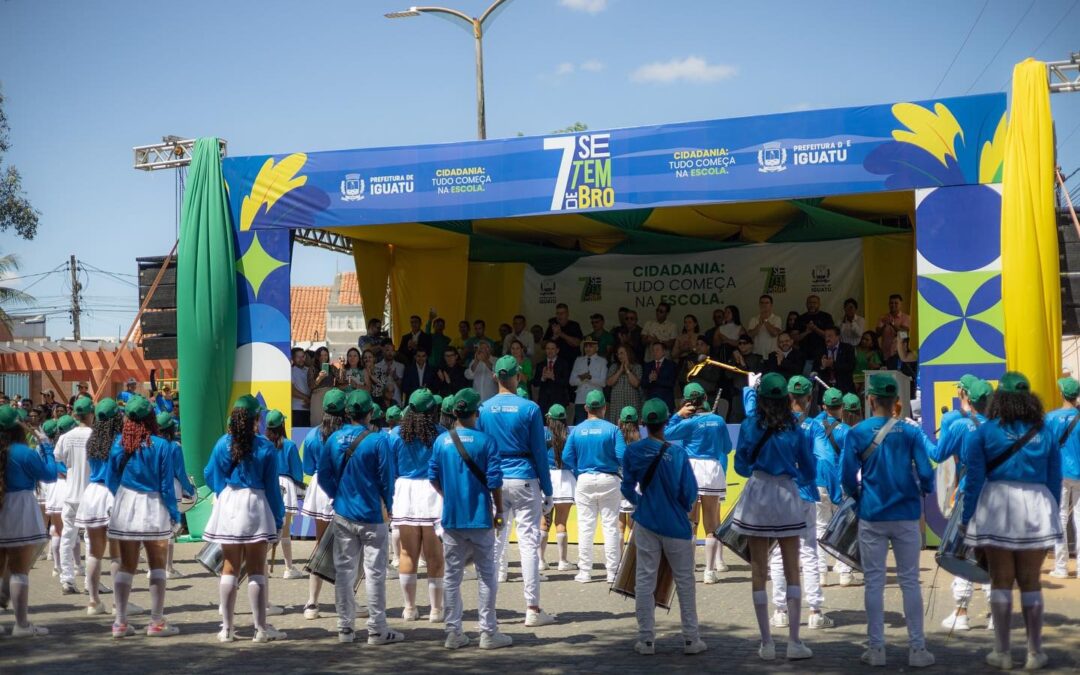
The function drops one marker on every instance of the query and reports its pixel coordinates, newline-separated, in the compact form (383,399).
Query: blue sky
(86,81)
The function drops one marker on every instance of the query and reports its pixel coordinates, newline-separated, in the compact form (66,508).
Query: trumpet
(700,365)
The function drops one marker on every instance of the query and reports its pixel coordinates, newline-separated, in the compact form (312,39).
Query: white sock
(286,551)
(267,584)
(1031,603)
(121,591)
(157,595)
(20,598)
(543,548)
(435,593)
(794,610)
(93,578)
(719,553)
(408,589)
(314,585)
(227,591)
(54,548)
(710,553)
(1001,611)
(561,540)
(257,598)
(761,610)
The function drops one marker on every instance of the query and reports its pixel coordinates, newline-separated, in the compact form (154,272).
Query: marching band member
(658,480)
(889,495)
(358,474)
(290,482)
(393,417)
(247,516)
(974,395)
(517,427)
(446,412)
(563,485)
(182,484)
(777,457)
(317,505)
(852,409)
(417,506)
(65,548)
(1010,499)
(21,526)
(1064,422)
(52,506)
(631,432)
(143,514)
(466,470)
(705,437)
(828,479)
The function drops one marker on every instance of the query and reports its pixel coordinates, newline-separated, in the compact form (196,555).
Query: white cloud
(564,68)
(690,69)
(567,68)
(589,6)
(592,65)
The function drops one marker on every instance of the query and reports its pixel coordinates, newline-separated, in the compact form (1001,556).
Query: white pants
(680,555)
(460,546)
(1070,504)
(522,501)
(906,540)
(808,563)
(825,511)
(962,590)
(354,542)
(598,493)
(69,541)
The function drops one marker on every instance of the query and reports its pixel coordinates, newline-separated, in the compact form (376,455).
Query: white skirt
(95,506)
(625,506)
(1015,516)
(54,503)
(43,492)
(416,502)
(288,494)
(139,516)
(21,523)
(317,504)
(240,516)
(563,485)
(770,506)
(711,481)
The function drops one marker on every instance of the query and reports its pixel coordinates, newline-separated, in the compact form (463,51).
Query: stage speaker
(158,322)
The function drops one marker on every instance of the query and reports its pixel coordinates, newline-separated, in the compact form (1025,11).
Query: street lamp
(476,25)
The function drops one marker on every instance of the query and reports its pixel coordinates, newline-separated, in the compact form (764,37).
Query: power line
(1053,29)
(962,45)
(1000,47)
(1063,141)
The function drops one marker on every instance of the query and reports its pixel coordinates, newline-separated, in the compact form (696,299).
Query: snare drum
(956,557)
(626,577)
(737,543)
(212,557)
(321,562)
(841,536)
(185,504)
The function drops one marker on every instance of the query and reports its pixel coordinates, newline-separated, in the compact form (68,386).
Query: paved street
(595,631)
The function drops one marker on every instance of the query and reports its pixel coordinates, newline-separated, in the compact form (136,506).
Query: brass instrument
(700,365)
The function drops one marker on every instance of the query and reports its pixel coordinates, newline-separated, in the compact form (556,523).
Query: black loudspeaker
(158,322)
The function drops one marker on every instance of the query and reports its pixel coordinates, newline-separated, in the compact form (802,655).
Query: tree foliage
(16,212)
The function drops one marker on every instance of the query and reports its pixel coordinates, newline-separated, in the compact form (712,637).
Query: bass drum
(321,563)
(956,557)
(626,577)
(841,536)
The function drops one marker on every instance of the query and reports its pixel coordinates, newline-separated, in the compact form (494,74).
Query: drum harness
(474,469)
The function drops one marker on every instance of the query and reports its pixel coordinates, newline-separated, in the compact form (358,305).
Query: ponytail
(330,424)
(631,432)
(242,431)
(558,439)
(136,433)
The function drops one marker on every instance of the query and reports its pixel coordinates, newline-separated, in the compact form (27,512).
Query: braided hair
(330,424)
(418,426)
(774,413)
(136,433)
(558,439)
(242,432)
(7,439)
(102,435)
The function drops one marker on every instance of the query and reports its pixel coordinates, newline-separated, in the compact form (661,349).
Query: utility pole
(75,288)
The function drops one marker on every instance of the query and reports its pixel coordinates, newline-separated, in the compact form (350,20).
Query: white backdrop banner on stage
(698,283)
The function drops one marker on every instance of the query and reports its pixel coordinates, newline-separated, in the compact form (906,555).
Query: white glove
(754,378)
(547,503)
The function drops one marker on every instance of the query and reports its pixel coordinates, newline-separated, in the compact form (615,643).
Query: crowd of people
(164,399)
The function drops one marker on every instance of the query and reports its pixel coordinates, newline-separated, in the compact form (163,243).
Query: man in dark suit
(552,378)
(837,365)
(811,327)
(450,374)
(788,360)
(418,375)
(659,375)
(413,340)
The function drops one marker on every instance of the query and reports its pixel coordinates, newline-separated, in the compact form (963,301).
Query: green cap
(447,407)
(773,385)
(49,427)
(654,411)
(832,397)
(852,403)
(438,401)
(628,414)
(275,419)
(882,385)
(799,386)
(693,391)
(466,402)
(165,420)
(506,366)
(9,418)
(980,391)
(246,402)
(139,408)
(422,401)
(106,409)
(393,414)
(595,400)
(557,412)
(522,392)
(966,381)
(84,405)
(333,402)
(65,424)
(1013,383)
(376,412)
(358,402)
(1069,387)
(22,413)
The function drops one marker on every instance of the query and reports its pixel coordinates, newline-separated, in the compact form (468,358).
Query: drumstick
(719,364)
(273,554)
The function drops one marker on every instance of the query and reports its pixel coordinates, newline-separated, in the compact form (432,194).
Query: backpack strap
(352,449)
(829,434)
(1012,450)
(465,457)
(1069,429)
(653,466)
(878,438)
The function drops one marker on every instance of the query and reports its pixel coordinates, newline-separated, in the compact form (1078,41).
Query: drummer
(658,480)
(828,478)
(291,483)
(852,409)
(393,417)
(563,485)
(956,425)
(889,497)
(629,425)
(1065,421)
(1010,504)
(182,485)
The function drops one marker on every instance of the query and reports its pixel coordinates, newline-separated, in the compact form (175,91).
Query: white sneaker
(163,629)
(132,609)
(421,564)
(722,567)
(566,566)
(410,614)
(955,622)
(293,573)
(583,577)
(873,656)
(346,635)
(275,610)
(1035,660)
(96,609)
(610,579)
(1000,660)
(387,638)
(823,579)
(394,562)
(224,636)
(710,577)
(779,619)
(269,635)
(535,618)
(767,651)
(919,658)
(456,640)
(29,630)
(694,647)
(311,612)
(173,573)
(645,647)
(495,640)
(820,620)
(540,576)
(847,578)
(797,650)
(1059,573)
(437,616)
(503,576)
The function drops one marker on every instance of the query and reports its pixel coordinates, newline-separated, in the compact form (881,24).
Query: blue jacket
(550,448)
(150,469)
(781,455)
(955,426)
(181,470)
(466,501)
(257,471)
(411,460)
(1059,421)
(314,449)
(704,436)
(664,505)
(288,462)
(896,475)
(368,479)
(815,431)
(829,457)
(517,427)
(99,470)
(25,467)
(594,446)
(1039,461)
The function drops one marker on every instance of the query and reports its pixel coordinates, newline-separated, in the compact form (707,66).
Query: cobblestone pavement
(595,630)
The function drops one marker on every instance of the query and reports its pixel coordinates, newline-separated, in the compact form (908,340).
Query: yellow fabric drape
(888,267)
(1030,285)
(494,294)
(421,279)
(372,262)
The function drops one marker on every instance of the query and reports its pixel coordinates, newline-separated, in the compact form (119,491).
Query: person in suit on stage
(836,366)
(660,376)
(552,378)
(418,374)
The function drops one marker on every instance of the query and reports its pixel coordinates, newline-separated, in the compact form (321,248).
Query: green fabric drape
(205,305)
